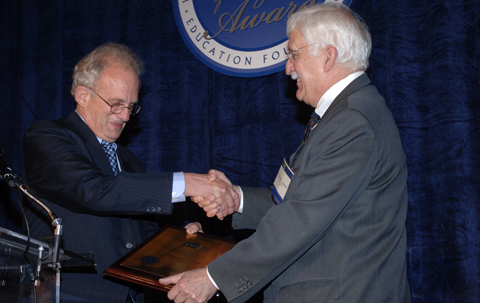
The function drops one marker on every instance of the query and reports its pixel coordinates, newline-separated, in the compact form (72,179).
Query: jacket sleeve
(67,170)
(257,201)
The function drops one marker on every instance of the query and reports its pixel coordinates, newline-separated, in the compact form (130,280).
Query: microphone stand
(56,221)
(12,181)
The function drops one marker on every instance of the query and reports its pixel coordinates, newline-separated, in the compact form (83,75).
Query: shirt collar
(99,140)
(327,99)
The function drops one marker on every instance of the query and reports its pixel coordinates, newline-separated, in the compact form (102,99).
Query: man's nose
(289,67)
(125,115)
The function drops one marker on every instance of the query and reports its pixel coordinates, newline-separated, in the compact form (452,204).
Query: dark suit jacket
(339,235)
(66,167)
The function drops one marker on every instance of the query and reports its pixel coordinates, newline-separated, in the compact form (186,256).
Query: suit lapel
(94,148)
(356,84)
(294,156)
(125,162)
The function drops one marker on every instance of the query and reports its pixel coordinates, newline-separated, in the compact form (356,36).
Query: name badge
(282,182)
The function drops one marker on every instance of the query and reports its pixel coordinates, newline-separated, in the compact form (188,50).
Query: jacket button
(129,245)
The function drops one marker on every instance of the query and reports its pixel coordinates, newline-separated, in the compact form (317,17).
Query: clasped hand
(213,192)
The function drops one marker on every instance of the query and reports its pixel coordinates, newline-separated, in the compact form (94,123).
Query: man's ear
(81,94)
(331,56)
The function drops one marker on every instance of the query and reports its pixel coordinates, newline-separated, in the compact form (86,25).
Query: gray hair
(334,24)
(90,68)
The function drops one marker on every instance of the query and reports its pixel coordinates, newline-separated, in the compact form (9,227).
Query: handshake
(213,192)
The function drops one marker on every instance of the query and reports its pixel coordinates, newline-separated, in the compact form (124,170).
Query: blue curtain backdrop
(425,62)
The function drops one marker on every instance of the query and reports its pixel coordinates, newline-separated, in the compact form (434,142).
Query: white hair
(334,24)
(89,69)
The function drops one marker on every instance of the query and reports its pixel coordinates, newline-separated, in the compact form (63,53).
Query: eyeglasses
(290,53)
(119,107)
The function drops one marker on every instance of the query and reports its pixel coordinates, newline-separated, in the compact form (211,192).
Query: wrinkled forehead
(119,83)
(296,38)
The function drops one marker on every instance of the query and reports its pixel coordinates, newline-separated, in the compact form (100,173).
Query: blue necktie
(314,119)
(111,154)
(132,296)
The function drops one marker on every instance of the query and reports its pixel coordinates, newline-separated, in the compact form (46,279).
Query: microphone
(6,173)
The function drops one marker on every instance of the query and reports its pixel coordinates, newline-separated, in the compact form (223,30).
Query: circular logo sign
(238,38)
(149,259)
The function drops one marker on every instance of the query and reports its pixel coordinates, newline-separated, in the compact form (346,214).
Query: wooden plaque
(168,252)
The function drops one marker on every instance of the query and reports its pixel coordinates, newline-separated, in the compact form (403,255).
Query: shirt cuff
(178,187)
(240,208)
(211,280)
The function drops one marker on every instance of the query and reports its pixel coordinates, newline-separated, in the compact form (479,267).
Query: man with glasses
(337,232)
(100,188)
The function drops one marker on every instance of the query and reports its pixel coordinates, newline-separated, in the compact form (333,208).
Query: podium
(27,271)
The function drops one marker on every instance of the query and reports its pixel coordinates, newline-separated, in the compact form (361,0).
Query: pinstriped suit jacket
(339,235)
(66,167)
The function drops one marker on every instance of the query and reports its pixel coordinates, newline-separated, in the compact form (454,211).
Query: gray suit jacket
(66,166)
(339,235)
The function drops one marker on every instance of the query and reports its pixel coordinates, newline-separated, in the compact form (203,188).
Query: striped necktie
(111,154)
(314,119)
(132,296)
